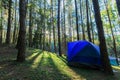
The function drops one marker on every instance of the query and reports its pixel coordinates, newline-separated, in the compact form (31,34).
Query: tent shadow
(90,73)
(46,69)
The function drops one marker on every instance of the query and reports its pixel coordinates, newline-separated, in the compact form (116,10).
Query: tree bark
(15,25)
(70,26)
(65,42)
(118,6)
(44,29)
(103,49)
(81,17)
(22,31)
(58,24)
(30,27)
(92,29)
(9,23)
(88,25)
(1,26)
(113,37)
(77,27)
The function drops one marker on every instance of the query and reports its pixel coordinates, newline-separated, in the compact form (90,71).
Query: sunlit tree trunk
(88,26)
(81,17)
(9,23)
(77,27)
(65,42)
(113,37)
(53,26)
(91,25)
(103,49)
(70,26)
(15,25)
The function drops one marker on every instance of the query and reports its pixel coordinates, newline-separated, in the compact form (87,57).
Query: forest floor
(43,65)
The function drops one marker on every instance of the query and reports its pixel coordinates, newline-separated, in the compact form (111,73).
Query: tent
(84,52)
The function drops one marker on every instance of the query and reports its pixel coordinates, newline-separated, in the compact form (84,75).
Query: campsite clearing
(46,66)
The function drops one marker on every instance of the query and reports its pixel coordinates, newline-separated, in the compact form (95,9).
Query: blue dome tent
(84,52)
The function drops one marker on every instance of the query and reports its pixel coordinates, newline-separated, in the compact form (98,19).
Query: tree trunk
(44,29)
(113,37)
(81,17)
(118,6)
(103,49)
(70,26)
(58,24)
(40,39)
(14,32)
(65,42)
(91,25)
(22,31)
(77,27)
(88,26)
(54,38)
(1,27)
(9,23)
(30,27)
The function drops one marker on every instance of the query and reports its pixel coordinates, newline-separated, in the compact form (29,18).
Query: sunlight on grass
(116,67)
(45,58)
(30,57)
(65,69)
(36,61)
(48,66)
(0,67)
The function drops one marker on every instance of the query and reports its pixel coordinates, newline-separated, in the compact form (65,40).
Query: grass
(43,65)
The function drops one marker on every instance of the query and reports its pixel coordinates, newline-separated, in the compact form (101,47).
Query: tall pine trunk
(88,25)
(1,26)
(9,23)
(92,30)
(53,26)
(65,42)
(58,24)
(70,26)
(103,49)
(30,27)
(81,17)
(113,37)
(22,31)
(44,29)
(15,25)
(77,27)
(118,6)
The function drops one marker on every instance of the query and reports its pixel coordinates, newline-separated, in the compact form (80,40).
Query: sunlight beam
(65,69)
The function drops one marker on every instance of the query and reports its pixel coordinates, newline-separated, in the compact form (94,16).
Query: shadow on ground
(38,66)
(92,74)
(43,65)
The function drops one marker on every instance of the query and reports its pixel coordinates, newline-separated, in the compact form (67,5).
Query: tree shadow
(63,59)
(33,56)
(12,70)
(47,70)
(90,73)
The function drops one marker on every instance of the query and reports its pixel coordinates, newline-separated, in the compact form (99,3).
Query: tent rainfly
(84,52)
